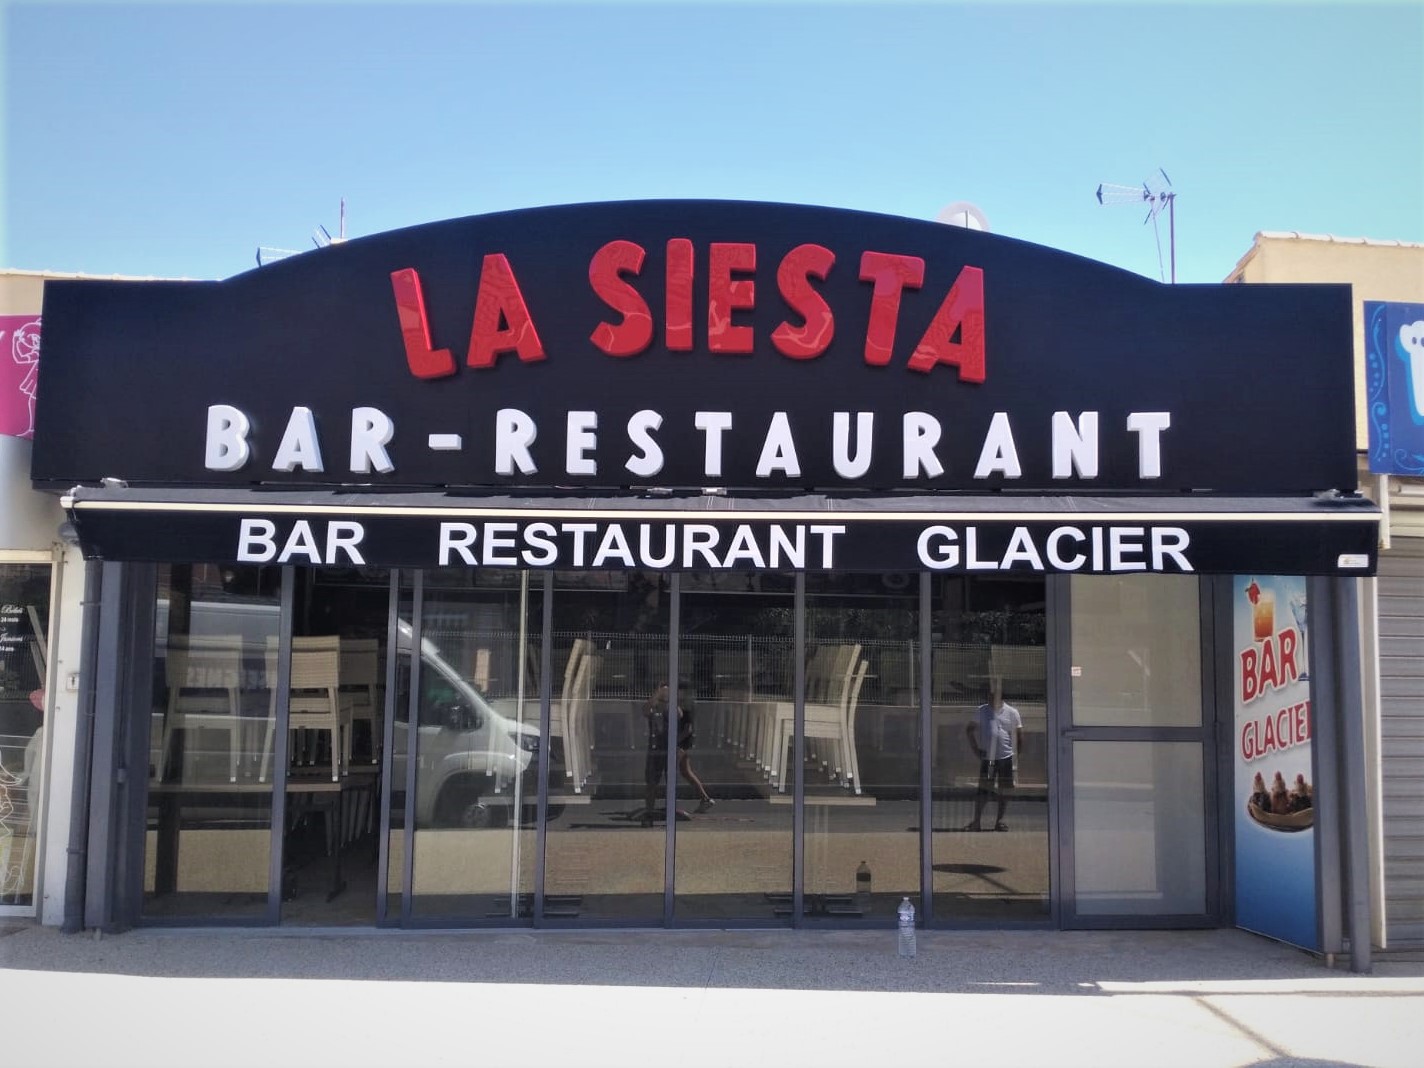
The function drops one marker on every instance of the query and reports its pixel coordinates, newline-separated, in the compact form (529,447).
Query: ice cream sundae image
(1281,808)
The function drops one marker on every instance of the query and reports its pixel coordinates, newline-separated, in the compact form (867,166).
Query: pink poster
(19,371)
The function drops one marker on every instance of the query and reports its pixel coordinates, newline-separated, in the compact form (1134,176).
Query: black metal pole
(798,750)
(1172,233)
(1354,826)
(926,715)
(674,706)
(546,687)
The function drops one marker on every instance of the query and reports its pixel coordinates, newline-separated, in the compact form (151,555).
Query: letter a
(502,320)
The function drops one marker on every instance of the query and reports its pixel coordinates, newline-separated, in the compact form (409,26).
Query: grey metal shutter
(1401,666)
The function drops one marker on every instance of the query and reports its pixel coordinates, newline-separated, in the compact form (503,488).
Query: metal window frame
(924,630)
(388,732)
(673,730)
(280,745)
(412,750)
(798,751)
(546,690)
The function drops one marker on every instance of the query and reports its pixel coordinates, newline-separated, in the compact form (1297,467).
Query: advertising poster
(1274,796)
(19,373)
(1394,384)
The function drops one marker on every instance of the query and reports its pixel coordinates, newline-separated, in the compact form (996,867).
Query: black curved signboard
(697,344)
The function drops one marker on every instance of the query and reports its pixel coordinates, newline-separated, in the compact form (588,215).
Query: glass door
(1133,753)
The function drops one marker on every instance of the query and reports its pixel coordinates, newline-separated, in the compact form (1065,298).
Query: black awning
(810,532)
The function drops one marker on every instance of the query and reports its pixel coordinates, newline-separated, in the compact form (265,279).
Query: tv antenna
(1156,192)
(321,238)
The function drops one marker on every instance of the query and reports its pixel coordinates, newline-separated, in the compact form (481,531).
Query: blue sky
(175,139)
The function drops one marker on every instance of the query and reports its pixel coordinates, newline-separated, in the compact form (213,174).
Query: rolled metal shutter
(1401,667)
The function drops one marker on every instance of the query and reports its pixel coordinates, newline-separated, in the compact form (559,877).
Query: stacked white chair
(204,676)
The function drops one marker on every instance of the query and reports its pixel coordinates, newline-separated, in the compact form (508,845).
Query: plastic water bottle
(862,888)
(906,915)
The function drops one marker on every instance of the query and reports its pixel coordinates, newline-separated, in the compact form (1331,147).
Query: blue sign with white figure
(1394,380)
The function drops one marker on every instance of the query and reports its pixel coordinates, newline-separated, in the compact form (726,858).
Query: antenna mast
(321,238)
(1156,192)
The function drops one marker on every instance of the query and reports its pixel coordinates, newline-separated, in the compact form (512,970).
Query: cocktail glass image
(1300,612)
(1263,615)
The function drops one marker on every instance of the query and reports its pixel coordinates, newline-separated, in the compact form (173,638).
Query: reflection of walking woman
(656,709)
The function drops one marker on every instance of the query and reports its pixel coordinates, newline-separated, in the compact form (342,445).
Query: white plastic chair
(559,711)
(204,676)
(578,744)
(825,716)
(314,702)
(360,685)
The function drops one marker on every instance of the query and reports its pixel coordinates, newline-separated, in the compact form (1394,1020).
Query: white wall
(28,520)
(62,721)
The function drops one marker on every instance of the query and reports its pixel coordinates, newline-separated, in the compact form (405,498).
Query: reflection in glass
(734,857)
(862,844)
(340,625)
(604,846)
(1134,639)
(1139,840)
(989,751)
(24,649)
(478,747)
(209,816)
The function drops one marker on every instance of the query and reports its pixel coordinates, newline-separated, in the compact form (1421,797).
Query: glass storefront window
(734,857)
(24,652)
(1136,655)
(862,844)
(328,861)
(211,741)
(604,850)
(477,746)
(457,768)
(989,748)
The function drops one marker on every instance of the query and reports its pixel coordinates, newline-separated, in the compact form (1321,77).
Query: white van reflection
(472,758)
(475,761)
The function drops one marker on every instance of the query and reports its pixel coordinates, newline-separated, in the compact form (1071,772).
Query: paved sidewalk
(692,999)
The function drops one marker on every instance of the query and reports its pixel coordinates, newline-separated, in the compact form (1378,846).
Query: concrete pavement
(691,999)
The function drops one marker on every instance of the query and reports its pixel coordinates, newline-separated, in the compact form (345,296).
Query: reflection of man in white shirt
(996,736)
